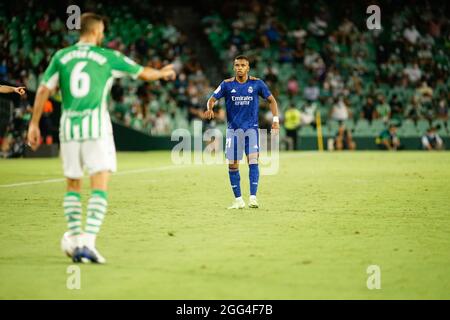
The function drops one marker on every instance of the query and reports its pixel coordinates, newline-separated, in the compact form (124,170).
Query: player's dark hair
(88,20)
(242,57)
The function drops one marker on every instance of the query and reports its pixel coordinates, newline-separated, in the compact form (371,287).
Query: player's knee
(100,180)
(253,159)
(233,166)
(73,185)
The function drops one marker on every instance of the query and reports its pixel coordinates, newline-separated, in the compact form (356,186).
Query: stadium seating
(350,65)
(230,32)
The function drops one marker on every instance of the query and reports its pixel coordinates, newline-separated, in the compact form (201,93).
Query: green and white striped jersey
(85,73)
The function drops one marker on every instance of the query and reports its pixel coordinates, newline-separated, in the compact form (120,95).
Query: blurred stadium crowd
(29,40)
(314,55)
(321,56)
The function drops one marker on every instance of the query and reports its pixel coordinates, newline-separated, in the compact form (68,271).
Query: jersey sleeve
(264,90)
(50,78)
(122,66)
(220,91)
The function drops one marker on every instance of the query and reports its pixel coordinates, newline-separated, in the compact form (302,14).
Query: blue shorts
(238,140)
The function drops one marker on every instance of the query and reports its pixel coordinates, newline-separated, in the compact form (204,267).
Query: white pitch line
(143,170)
(29,183)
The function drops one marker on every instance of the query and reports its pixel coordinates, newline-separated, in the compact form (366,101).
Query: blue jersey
(241,101)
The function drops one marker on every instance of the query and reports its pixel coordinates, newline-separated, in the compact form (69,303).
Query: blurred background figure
(46,124)
(292,121)
(388,139)
(343,139)
(431,140)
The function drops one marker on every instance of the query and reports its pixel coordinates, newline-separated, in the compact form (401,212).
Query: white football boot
(87,252)
(93,255)
(253,203)
(238,204)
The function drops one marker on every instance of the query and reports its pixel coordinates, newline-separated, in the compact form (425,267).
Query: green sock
(72,212)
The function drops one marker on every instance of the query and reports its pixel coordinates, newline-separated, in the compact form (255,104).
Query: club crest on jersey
(250,89)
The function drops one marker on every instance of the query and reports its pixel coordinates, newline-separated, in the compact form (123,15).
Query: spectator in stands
(396,108)
(334,81)
(13,144)
(442,106)
(431,140)
(368,110)
(312,91)
(46,125)
(318,26)
(286,53)
(388,139)
(314,62)
(343,139)
(411,34)
(340,111)
(117,90)
(43,25)
(161,124)
(383,110)
(270,74)
(414,110)
(345,31)
(425,92)
(292,86)
(308,114)
(292,121)
(135,118)
(413,73)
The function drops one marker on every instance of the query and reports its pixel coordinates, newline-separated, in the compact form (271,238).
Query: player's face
(241,67)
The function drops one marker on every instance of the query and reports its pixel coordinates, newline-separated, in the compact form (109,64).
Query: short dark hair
(242,57)
(88,20)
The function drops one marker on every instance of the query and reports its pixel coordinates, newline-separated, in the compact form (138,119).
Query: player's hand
(20,90)
(34,136)
(208,114)
(168,72)
(275,127)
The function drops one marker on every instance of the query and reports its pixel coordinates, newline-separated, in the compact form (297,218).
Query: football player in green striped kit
(84,73)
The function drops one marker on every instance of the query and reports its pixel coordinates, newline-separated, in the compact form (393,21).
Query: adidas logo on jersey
(233,91)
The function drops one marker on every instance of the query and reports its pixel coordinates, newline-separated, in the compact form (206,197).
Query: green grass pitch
(324,218)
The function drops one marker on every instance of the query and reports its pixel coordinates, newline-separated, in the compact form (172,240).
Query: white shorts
(93,155)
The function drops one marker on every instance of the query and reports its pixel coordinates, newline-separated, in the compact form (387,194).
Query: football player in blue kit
(241,95)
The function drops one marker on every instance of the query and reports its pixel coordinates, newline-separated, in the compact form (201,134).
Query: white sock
(90,240)
(239,199)
(78,240)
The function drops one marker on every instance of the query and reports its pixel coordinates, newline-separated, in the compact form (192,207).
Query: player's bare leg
(252,160)
(233,170)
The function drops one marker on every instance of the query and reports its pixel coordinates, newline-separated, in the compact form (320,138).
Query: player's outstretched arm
(9,89)
(34,134)
(274,108)
(151,74)
(209,113)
